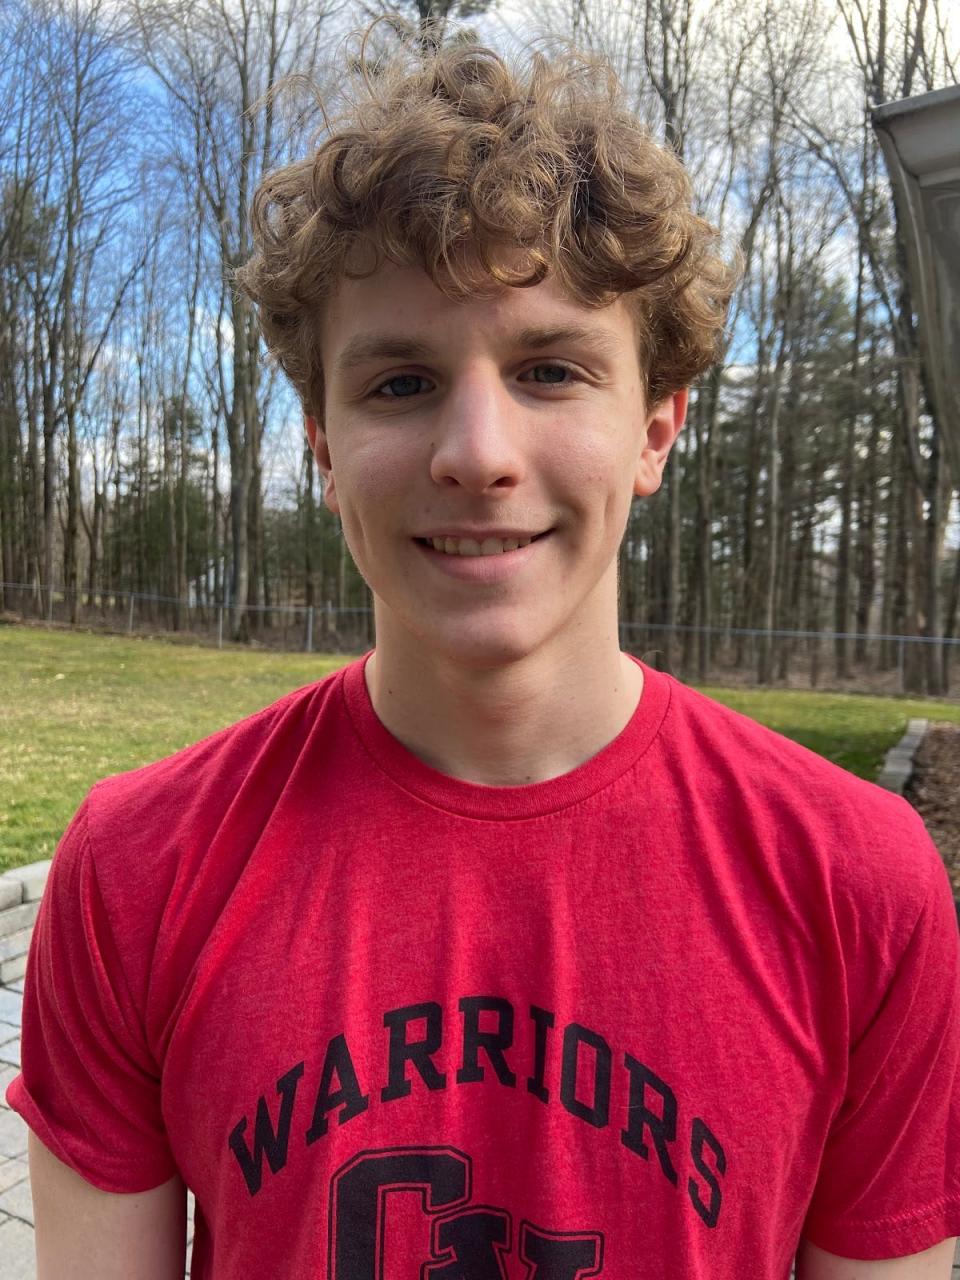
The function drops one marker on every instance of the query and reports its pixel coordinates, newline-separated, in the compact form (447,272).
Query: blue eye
(556,374)
(402,386)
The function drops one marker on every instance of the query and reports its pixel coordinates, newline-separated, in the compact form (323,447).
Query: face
(482,457)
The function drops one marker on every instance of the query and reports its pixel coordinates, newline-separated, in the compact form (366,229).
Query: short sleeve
(88,1087)
(889,1182)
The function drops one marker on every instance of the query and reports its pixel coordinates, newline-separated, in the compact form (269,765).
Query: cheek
(375,480)
(602,469)
(367,478)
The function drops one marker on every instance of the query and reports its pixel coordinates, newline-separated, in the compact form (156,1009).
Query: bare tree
(218,65)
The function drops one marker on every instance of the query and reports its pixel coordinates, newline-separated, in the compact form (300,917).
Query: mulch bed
(934,791)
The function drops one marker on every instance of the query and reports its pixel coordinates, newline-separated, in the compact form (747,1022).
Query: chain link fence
(848,661)
(309,628)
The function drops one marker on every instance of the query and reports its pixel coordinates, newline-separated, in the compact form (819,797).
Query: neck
(510,725)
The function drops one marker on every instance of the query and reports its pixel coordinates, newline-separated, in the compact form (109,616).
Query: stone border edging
(898,765)
(21,890)
(898,768)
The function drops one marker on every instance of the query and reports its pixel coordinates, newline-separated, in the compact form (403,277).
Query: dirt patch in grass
(934,791)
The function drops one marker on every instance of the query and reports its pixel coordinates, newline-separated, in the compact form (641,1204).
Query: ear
(318,443)
(663,425)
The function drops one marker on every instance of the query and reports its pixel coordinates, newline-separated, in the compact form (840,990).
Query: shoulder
(290,717)
(738,744)
(178,803)
(867,845)
(153,856)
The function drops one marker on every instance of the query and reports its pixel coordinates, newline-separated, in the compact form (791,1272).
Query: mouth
(478,547)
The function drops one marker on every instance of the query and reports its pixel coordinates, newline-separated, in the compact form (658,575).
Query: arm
(932,1264)
(83,1233)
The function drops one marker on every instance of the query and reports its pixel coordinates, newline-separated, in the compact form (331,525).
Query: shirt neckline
(473,800)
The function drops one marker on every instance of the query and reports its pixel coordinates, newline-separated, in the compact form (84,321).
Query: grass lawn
(77,707)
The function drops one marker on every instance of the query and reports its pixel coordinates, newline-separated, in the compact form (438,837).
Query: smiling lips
(478,547)
(489,561)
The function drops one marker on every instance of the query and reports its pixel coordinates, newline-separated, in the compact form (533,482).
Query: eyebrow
(368,347)
(537,337)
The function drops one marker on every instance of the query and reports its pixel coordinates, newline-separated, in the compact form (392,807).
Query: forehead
(399,312)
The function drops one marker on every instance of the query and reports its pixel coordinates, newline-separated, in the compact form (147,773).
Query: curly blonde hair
(486,177)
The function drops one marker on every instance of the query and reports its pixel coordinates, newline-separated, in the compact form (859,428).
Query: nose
(478,441)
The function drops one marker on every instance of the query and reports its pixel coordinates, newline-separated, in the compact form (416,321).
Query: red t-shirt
(650,1020)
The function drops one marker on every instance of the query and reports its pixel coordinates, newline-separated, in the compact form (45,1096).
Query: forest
(150,453)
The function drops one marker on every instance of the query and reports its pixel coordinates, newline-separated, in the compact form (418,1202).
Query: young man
(496,954)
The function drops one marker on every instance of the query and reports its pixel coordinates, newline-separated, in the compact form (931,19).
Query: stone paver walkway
(17,1258)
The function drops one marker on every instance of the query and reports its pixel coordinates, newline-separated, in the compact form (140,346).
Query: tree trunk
(773,512)
(169,501)
(671,611)
(842,611)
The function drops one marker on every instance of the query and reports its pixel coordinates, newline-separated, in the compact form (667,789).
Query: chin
(479,648)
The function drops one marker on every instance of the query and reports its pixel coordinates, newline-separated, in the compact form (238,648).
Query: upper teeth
(471,547)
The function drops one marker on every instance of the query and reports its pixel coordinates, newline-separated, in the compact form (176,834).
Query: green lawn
(76,707)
